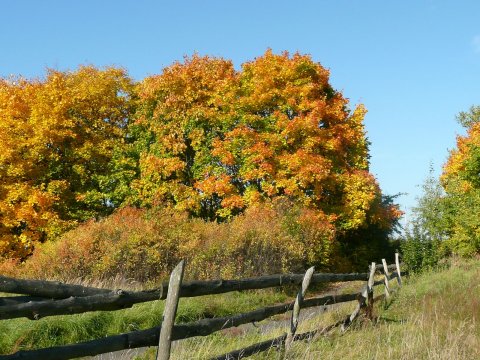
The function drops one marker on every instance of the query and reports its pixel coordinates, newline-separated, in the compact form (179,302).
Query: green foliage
(431,216)
(420,252)
(358,247)
(467,119)
(463,220)
(424,243)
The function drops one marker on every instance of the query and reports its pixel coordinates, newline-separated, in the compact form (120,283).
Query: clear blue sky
(414,64)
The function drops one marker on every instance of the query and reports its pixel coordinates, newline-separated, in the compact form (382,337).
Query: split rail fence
(49,298)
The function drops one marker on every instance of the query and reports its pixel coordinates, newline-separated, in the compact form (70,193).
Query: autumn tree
(461,181)
(181,112)
(445,220)
(216,141)
(57,137)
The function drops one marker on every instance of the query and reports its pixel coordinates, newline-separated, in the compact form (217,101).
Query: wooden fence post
(171,304)
(399,274)
(362,301)
(387,277)
(371,281)
(296,308)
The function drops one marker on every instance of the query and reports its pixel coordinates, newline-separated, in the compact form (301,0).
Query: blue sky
(414,64)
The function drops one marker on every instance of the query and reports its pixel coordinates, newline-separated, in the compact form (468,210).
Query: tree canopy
(200,137)
(222,140)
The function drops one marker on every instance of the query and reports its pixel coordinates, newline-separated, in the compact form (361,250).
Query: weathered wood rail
(48,298)
(53,298)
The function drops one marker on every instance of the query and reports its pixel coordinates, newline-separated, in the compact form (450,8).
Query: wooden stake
(296,308)
(171,304)
(371,281)
(386,276)
(399,274)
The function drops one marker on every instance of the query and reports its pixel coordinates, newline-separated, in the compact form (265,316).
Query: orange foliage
(462,164)
(225,140)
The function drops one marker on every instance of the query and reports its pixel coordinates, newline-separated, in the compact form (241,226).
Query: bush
(145,245)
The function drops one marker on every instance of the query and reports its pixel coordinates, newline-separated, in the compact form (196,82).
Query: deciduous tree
(223,140)
(461,180)
(57,137)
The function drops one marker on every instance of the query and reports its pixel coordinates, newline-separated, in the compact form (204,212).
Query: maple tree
(57,137)
(222,140)
(180,114)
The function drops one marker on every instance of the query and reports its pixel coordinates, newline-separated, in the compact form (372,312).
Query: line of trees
(200,138)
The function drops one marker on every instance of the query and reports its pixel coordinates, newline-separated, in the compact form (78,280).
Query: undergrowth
(145,245)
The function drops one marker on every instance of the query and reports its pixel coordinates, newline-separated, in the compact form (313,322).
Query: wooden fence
(49,298)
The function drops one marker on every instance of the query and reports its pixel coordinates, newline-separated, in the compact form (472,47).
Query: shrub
(145,245)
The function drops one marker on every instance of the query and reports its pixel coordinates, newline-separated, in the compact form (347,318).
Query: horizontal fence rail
(46,289)
(57,290)
(105,299)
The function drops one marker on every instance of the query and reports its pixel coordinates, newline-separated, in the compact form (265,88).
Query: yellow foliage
(56,138)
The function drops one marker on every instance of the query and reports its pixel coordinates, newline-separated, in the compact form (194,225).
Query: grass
(435,315)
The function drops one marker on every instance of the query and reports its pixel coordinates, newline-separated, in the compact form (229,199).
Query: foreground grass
(434,316)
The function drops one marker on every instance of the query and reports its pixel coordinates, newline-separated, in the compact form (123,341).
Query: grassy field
(434,316)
